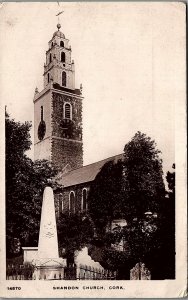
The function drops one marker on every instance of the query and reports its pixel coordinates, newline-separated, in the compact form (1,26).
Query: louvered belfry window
(62,56)
(67,111)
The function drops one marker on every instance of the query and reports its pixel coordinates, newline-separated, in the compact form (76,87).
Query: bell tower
(58,66)
(58,109)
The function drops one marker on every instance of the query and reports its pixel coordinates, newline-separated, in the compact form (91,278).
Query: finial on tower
(58,26)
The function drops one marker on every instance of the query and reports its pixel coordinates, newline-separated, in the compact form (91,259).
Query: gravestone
(140,272)
(48,264)
(85,264)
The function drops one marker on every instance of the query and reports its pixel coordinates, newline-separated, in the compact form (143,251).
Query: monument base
(49,269)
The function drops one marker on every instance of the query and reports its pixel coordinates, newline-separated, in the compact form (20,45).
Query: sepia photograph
(93,100)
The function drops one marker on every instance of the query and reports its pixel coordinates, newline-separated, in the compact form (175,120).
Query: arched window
(64,78)
(61,44)
(84,199)
(48,77)
(50,57)
(62,56)
(72,202)
(67,111)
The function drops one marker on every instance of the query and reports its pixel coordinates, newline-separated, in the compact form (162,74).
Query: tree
(152,237)
(132,189)
(161,259)
(143,176)
(167,232)
(74,232)
(17,143)
(170,177)
(141,243)
(105,199)
(25,182)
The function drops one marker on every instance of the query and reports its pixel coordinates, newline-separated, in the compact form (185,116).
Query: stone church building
(58,126)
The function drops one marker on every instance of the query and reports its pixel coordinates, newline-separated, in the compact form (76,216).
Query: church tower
(58,109)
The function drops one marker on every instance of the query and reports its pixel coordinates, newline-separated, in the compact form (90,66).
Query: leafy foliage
(128,188)
(132,189)
(150,239)
(170,177)
(143,182)
(25,182)
(74,232)
(105,199)
(141,242)
(168,229)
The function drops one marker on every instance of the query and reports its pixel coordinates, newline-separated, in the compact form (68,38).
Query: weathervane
(59,13)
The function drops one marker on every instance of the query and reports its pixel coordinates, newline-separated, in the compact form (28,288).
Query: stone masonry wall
(66,152)
(67,146)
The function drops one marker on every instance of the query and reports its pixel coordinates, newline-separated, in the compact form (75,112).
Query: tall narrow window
(67,111)
(50,57)
(62,56)
(61,44)
(41,113)
(52,44)
(72,202)
(84,199)
(48,77)
(64,78)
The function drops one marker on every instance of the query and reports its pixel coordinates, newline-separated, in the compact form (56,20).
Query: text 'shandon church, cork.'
(58,126)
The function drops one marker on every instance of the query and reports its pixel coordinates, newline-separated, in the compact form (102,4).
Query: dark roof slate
(86,173)
(62,88)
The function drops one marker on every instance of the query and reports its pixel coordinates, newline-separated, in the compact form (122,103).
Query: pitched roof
(86,173)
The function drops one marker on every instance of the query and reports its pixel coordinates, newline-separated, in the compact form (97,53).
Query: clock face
(41,130)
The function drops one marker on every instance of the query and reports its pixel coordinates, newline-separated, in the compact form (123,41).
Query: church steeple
(58,108)
(59,68)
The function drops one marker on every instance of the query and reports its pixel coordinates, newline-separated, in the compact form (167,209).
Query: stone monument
(48,264)
(140,272)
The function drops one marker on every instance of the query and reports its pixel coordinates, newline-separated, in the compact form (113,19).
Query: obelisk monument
(48,264)
(48,242)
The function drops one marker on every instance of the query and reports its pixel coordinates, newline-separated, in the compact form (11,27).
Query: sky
(129,57)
